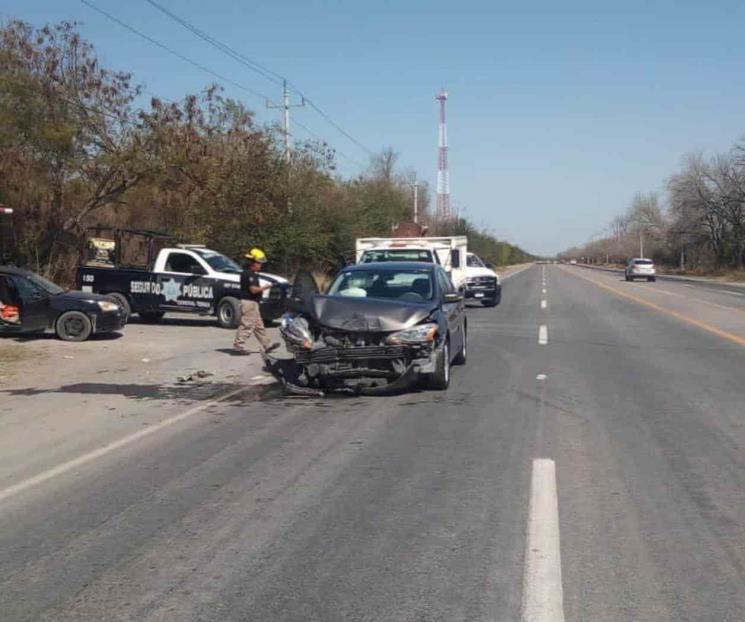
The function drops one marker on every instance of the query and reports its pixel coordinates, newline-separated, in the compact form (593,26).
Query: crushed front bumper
(366,370)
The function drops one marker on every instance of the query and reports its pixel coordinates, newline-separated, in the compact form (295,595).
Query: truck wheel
(229,312)
(151,317)
(73,326)
(122,301)
(440,380)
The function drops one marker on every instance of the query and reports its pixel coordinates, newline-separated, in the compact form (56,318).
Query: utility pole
(286,105)
(416,200)
(641,245)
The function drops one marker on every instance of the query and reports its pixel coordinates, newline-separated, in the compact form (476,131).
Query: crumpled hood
(367,314)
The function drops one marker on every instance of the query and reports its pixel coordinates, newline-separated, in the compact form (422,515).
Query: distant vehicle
(640,268)
(147,273)
(573,262)
(380,327)
(448,252)
(482,283)
(30,303)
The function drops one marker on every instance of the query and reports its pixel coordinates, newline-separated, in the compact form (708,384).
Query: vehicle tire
(151,317)
(440,379)
(461,357)
(492,302)
(229,312)
(122,301)
(73,326)
(652,279)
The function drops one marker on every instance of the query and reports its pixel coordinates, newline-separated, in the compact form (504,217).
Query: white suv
(639,268)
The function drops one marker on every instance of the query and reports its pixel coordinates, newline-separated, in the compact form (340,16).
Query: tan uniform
(250,324)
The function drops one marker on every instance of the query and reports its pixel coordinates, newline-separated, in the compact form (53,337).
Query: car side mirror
(452,297)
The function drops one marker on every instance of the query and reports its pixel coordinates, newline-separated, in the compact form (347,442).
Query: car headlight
(422,333)
(295,330)
(107,306)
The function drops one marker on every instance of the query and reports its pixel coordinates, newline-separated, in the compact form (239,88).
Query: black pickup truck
(147,273)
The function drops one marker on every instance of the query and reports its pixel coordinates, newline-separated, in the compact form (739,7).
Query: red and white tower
(443,173)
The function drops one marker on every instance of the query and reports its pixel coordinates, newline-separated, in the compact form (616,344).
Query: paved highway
(587,464)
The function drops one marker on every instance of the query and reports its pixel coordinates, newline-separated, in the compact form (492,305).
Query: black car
(30,303)
(380,327)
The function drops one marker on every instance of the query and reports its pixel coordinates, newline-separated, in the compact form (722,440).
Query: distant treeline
(699,223)
(75,151)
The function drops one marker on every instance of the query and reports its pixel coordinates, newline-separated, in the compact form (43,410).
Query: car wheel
(151,317)
(73,326)
(651,279)
(440,380)
(229,312)
(460,358)
(122,301)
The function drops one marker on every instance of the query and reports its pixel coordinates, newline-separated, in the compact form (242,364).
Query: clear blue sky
(559,111)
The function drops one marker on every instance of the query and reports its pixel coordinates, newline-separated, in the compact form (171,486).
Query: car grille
(326,355)
(482,281)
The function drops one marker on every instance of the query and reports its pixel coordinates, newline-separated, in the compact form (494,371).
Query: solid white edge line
(543,335)
(60,469)
(543,598)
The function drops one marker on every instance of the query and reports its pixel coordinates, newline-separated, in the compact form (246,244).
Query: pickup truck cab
(180,278)
(31,304)
(449,252)
(482,283)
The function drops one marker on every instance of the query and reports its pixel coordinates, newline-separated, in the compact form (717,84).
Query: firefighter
(251,292)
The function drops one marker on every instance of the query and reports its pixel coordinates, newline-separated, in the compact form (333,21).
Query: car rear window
(643,262)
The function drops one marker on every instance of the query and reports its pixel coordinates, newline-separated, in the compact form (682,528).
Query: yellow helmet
(256,254)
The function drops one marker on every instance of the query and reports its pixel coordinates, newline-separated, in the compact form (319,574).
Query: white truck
(449,252)
(482,283)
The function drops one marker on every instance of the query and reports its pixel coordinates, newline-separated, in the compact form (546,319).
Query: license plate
(478,295)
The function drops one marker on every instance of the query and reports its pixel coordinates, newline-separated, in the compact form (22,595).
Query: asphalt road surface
(588,463)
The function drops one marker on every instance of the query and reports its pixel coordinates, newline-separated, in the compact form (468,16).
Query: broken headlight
(422,333)
(295,330)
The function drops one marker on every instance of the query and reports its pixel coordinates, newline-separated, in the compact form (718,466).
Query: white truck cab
(482,283)
(448,252)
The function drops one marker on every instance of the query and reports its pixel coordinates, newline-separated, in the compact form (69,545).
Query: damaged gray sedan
(381,327)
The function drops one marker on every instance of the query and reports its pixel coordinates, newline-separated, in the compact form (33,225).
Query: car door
(453,310)
(184,283)
(34,303)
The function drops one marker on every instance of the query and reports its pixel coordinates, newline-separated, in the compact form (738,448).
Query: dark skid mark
(157,391)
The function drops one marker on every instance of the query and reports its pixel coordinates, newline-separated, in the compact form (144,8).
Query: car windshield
(409,285)
(219,262)
(44,284)
(473,261)
(399,254)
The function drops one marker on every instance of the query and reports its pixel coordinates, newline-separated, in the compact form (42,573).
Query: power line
(257,67)
(323,140)
(215,74)
(162,46)
(253,65)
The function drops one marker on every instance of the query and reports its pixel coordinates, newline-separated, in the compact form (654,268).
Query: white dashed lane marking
(543,598)
(543,335)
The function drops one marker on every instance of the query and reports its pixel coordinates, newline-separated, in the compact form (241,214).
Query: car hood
(76,299)
(367,314)
(474,272)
